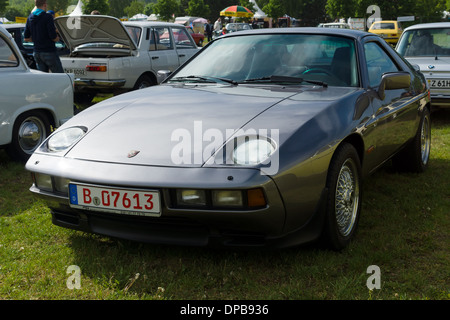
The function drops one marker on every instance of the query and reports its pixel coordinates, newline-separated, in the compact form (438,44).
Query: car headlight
(64,139)
(253,151)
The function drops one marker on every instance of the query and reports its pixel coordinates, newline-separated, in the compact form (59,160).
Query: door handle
(154,58)
(181,55)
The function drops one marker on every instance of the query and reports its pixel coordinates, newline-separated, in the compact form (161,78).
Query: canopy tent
(259,14)
(139,16)
(78,11)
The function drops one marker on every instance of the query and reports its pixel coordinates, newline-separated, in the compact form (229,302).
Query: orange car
(389,30)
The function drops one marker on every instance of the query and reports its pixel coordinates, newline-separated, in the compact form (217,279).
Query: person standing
(40,29)
(208,30)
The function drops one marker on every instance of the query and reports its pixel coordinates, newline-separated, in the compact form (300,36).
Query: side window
(182,39)
(135,34)
(160,39)
(378,63)
(7,56)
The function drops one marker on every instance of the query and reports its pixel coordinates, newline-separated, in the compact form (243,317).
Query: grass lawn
(404,230)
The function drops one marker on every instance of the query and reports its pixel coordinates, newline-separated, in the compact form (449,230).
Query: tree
(100,5)
(134,8)
(274,9)
(116,7)
(3,5)
(198,8)
(166,9)
(56,5)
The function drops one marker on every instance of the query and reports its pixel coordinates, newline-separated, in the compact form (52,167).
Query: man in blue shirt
(41,30)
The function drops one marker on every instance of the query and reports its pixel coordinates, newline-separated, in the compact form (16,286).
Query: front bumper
(197,227)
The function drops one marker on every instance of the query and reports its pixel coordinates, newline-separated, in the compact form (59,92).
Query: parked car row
(310,113)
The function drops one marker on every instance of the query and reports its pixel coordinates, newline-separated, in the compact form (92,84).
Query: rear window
(387,25)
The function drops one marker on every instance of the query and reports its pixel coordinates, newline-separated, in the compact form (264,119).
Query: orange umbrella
(237,11)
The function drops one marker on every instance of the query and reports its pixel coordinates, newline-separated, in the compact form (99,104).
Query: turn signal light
(96,68)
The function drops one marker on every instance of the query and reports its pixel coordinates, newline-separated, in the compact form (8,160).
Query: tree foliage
(308,12)
(100,5)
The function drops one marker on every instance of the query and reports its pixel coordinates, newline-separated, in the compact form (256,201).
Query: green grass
(404,229)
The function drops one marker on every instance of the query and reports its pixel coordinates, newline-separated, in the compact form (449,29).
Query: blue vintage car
(263,138)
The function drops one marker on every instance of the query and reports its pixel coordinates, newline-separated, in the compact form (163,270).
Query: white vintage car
(32,103)
(108,56)
(428,46)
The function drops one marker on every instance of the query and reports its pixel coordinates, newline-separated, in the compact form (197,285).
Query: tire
(84,97)
(144,81)
(343,205)
(415,157)
(29,131)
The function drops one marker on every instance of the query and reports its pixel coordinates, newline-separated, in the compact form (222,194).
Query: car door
(393,113)
(184,44)
(162,53)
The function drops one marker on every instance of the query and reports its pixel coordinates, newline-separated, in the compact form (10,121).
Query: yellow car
(389,30)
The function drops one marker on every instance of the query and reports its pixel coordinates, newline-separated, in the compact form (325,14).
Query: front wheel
(30,130)
(344,197)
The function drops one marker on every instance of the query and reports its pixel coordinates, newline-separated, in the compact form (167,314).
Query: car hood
(159,125)
(430,64)
(78,30)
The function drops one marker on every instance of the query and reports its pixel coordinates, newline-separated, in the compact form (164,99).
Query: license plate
(115,200)
(76,71)
(439,83)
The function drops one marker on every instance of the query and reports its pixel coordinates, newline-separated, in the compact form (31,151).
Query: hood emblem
(133,153)
(431,67)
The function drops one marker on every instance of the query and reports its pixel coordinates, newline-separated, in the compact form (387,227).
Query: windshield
(265,58)
(425,42)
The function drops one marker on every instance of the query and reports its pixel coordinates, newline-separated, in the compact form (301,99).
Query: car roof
(14,25)
(351,33)
(387,21)
(143,23)
(429,25)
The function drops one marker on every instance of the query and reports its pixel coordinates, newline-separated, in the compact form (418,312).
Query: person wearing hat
(40,29)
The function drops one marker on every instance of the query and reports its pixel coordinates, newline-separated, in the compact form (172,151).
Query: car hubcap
(425,140)
(31,134)
(347,197)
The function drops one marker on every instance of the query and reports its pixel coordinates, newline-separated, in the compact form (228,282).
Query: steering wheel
(318,70)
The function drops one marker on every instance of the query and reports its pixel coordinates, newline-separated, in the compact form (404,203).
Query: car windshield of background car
(306,56)
(425,42)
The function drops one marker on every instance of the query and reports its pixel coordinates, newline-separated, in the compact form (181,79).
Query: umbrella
(200,20)
(237,11)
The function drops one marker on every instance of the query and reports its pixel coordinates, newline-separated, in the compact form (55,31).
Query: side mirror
(163,75)
(393,81)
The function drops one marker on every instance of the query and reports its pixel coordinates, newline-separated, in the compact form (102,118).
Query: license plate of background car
(77,72)
(439,83)
(115,200)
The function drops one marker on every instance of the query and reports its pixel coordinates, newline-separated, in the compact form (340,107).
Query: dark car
(26,48)
(263,138)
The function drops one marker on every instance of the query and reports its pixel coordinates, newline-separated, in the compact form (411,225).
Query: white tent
(78,11)
(259,14)
(139,16)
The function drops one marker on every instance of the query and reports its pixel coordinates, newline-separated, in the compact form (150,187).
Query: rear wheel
(144,81)
(30,130)
(344,197)
(415,157)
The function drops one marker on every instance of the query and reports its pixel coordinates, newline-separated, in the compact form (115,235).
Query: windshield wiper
(286,79)
(204,79)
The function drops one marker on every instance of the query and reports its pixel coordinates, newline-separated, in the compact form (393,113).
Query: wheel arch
(358,143)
